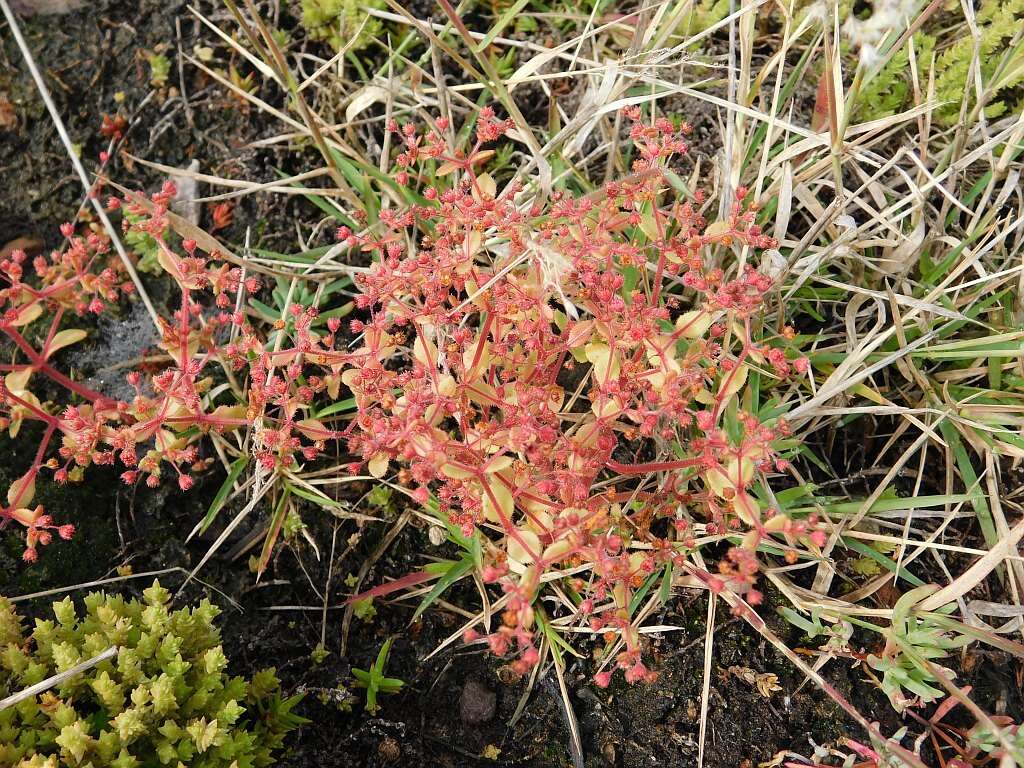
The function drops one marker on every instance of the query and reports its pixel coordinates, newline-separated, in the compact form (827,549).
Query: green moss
(164,698)
(159,69)
(890,91)
(1002,69)
(998,21)
(337,21)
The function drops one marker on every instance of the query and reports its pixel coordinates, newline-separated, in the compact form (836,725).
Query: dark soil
(438,718)
(444,716)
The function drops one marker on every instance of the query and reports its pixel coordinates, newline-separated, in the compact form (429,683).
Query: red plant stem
(54,324)
(43,445)
(414,578)
(653,466)
(37,412)
(506,523)
(660,269)
(39,364)
(529,515)
(46,293)
(482,341)
(184,328)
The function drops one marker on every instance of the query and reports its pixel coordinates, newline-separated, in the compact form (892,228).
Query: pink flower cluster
(161,426)
(566,378)
(517,360)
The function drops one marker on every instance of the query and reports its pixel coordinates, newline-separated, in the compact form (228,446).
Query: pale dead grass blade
(59,679)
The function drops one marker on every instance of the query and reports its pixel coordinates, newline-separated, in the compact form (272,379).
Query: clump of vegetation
(1000,60)
(159,69)
(1002,67)
(578,370)
(516,364)
(164,698)
(374,680)
(342,22)
(85,278)
(530,335)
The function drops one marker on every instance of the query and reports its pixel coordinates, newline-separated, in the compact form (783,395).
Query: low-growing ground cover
(515,346)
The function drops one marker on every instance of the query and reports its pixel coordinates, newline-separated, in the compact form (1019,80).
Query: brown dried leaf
(8,117)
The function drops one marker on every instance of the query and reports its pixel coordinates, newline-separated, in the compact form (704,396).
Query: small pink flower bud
(705,420)
(636,673)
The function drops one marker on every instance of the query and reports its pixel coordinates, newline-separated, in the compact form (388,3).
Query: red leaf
(822,102)
(411,580)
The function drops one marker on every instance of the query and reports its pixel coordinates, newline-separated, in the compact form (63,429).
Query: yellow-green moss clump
(163,700)
(338,21)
